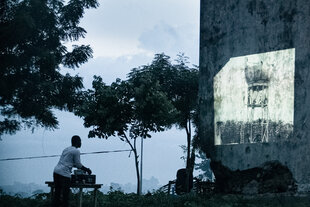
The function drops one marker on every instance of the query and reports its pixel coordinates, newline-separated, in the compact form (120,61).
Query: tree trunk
(134,149)
(192,160)
(137,171)
(188,136)
(137,167)
(189,166)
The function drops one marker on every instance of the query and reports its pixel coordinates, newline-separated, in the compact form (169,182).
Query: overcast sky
(123,34)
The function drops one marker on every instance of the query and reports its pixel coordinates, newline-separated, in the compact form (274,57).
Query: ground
(120,199)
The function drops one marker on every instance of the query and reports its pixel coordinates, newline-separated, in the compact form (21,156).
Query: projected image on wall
(254,98)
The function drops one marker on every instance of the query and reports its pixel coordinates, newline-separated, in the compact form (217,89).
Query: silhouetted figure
(184,182)
(70,158)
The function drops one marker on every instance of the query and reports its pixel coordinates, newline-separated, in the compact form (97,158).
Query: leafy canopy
(148,101)
(108,109)
(153,98)
(179,83)
(134,107)
(32,38)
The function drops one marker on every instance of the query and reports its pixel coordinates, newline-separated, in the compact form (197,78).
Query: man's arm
(78,164)
(86,169)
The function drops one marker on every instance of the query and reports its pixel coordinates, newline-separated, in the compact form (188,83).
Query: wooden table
(80,186)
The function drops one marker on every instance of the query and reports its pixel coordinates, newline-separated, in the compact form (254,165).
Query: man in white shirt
(70,158)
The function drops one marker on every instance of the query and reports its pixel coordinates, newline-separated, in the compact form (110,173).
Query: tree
(179,83)
(126,109)
(185,91)
(152,99)
(33,34)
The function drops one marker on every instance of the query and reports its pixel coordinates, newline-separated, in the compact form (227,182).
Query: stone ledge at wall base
(270,177)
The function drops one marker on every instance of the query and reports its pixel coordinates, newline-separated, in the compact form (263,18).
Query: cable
(48,156)
(100,152)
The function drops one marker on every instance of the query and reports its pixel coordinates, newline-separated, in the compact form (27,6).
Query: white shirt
(70,157)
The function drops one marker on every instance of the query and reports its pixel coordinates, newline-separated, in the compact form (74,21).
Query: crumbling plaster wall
(232,28)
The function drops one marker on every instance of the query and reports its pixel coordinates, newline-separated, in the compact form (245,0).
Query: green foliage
(178,83)
(32,37)
(186,92)
(152,99)
(107,109)
(136,106)
(148,101)
(153,112)
(40,200)
(120,199)
(204,166)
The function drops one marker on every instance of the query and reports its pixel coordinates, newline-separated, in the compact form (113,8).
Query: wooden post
(169,187)
(52,194)
(80,197)
(95,197)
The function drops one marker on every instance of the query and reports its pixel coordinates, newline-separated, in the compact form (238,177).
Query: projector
(80,177)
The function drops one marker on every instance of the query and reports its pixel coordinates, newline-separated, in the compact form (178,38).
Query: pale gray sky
(123,34)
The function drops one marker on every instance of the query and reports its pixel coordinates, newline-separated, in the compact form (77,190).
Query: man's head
(76,141)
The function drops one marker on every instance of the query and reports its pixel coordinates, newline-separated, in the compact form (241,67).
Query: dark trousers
(62,189)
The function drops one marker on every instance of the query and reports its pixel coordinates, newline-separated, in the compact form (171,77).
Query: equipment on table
(81,177)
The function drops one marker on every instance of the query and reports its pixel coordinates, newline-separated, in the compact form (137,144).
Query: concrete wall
(232,28)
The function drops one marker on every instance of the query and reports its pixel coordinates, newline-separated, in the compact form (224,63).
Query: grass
(120,199)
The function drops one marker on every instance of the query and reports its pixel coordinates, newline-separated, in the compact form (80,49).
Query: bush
(120,199)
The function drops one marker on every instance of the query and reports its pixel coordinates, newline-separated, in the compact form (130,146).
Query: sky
(123,34)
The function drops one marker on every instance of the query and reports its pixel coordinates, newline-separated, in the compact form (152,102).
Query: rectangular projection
(254,98)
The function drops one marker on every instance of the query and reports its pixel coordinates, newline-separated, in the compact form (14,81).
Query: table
(79,186)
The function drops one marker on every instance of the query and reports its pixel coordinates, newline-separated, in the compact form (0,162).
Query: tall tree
(185,91)
(179,83)
(33,34)
(152,99)
(126,109)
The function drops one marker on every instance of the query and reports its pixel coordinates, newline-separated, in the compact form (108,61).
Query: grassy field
(119,199)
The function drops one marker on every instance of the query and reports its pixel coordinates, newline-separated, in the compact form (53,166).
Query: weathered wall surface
(232,28)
